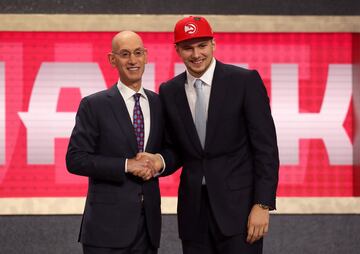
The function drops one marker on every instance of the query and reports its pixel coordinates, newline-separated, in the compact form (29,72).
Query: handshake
(145,165)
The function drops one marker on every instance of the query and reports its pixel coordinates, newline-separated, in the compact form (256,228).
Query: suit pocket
(240,179)
(238,183)
(241,175)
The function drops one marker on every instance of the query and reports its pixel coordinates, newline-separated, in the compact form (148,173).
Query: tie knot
(198,84)
(137,96)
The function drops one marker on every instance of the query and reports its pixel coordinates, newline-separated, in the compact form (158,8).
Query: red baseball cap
(192,27)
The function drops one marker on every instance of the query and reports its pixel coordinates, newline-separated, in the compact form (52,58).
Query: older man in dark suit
(122,211)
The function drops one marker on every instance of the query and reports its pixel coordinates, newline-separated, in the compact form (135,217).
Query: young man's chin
(197,72)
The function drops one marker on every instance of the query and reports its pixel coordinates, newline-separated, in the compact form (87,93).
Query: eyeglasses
(126,54)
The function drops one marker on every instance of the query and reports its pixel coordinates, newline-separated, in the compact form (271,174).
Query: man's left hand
(154,161)
(258,223)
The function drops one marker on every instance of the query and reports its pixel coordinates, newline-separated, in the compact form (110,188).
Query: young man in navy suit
(221,131)
(122,210)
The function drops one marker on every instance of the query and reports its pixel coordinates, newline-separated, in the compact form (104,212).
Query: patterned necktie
(138,122)
(200,111)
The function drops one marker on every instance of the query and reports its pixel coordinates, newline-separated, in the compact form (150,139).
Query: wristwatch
(265,207)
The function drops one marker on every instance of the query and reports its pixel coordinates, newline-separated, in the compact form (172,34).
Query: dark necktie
(138,122)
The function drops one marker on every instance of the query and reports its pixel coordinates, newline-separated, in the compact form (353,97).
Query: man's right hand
(141,167)
(154,160)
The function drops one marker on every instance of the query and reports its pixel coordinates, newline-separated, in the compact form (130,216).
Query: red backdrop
(309,78)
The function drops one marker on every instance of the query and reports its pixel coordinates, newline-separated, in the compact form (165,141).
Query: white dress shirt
(206,78)
(128,96)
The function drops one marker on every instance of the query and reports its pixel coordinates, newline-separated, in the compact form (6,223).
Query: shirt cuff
(163,169)
(126,170)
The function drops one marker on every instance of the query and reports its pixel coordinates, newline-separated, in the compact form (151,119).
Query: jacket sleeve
(82,157)
(169,152)
(263,141)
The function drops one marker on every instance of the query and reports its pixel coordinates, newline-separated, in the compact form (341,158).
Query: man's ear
(213,43)
(177,49)
(146,55)
(112,59)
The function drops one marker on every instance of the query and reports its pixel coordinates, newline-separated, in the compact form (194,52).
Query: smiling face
(129,57)
(196,54)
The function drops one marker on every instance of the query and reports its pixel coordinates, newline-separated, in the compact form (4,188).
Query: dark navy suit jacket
(102,139)
(240,159)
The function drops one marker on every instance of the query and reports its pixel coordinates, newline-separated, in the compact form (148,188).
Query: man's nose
(196,53)
(132,58)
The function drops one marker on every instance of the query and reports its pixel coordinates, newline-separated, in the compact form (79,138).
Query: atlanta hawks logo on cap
(190,28)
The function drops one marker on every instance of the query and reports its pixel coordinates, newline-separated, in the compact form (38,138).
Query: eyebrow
(133,49)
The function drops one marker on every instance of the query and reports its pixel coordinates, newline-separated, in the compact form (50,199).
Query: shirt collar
(207,77)
(127,93)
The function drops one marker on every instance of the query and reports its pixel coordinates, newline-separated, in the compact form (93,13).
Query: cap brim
(195,38)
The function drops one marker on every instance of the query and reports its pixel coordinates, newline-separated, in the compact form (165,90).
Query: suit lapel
(122,115)
(153,116)
(217,97)
(185,112)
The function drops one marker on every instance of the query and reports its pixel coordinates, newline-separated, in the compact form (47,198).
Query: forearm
(172,160)
(96,166)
